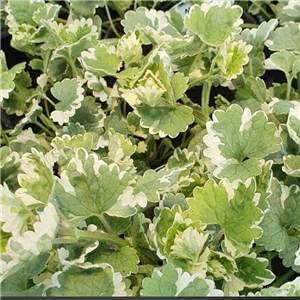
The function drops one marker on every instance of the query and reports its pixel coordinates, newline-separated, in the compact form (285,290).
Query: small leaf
(70,95)
(214,22)
(165,120)
(253,271)
(100,61)
(293,122)
(291,165)
(289,255)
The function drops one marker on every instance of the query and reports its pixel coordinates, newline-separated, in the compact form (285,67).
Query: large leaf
(236,139)
(238,214)
(88,187)
(214,22)
(89,281)
(15,282)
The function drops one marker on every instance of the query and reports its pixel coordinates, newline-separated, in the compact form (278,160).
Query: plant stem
(46,108)
(135,5)
(47,122)
(197,57)
(249,25)
(5,138)
(298,83)
(111,21)
(47,98)
(288,89)
(72,65)
(106,224)
(43,127)
(205,98)
(203,78)
(101,236)
(262,10)
(282,279)
(61,20)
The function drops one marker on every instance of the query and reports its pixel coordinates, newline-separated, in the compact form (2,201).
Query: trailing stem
(205,98)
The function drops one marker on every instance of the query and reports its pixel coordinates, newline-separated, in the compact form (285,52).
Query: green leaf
(14,213)
(283,61)
(291,165)
(30,117)
(100,61)
(231,58)
(235,135)
(86,8)
(165,120)
(37,180)
(15,282)
(238,214)
(9,163)
(90,187)
(169,282)
(284,208)
(151,19)
(48,12)
(293,122)
(254,88)
(288,255)
(214,22)
(179,85)
(89,281)
(253,271)
(122,259)
(285,38)
(70,95)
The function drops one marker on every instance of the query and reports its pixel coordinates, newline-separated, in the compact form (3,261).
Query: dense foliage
(145,150)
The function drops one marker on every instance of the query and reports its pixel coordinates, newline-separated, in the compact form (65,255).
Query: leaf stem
(111,21)
(262,10)
(249,25)
(197,57)
(47,98)
(282,279)
(205,97)
(135,5)
(47,122)
(102,236)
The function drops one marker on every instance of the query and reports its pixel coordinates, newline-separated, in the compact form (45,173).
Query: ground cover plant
(150,148)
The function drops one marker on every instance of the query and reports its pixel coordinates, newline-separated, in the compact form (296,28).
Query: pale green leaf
(10,164)
(238,214)
(293,122)
(238,134)
(165,120)
(172,282)
(37,179)
(284,210)
(15,282)
(86,8)
(14,213)
(283,61)
(285,38)
(288,255)
(214,22)
(89,281)
(48,12)
(30,117)
(291,165)
(100,61)
(144,18)
(122,259)
(70,95)
(32,243)
(90,187)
